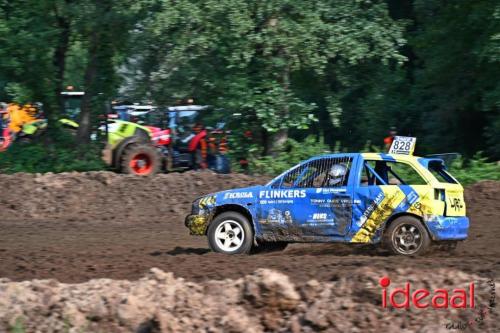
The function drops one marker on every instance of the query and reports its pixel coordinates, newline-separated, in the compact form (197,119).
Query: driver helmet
(337,174)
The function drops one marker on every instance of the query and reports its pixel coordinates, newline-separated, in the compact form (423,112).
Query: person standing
(389,139)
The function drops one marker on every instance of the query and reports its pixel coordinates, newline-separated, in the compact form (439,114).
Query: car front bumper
(197,224)
(448,228)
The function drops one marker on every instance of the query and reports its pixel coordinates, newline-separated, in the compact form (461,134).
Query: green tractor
(156,140)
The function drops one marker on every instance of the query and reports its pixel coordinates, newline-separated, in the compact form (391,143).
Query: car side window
(290,178)
(325,172)
(389,173)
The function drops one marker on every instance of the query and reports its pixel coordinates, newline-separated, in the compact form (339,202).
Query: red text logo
(403,298)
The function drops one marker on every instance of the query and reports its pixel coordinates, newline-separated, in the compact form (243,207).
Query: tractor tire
(407,236)
(230,233)
(140,159)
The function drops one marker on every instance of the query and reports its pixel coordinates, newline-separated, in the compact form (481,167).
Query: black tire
(140,159)
(407,236)
(270,247)
(232,241)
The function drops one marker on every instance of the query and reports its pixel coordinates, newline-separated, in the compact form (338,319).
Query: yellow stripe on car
(393,196)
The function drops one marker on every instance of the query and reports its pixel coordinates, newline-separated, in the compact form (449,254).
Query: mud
(265,301)
(76,227)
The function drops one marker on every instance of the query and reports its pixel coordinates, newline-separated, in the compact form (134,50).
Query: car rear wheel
(141,160)
(230,233)
(407,236)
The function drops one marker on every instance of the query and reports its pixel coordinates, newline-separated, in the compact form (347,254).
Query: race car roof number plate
(403,145)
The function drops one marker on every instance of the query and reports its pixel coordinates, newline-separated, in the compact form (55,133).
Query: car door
(308,204)
(386,187)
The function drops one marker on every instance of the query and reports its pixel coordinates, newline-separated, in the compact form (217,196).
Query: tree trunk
(59,61)
(85,125)
(279,138)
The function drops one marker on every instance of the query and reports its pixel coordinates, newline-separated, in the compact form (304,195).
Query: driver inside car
(337,176)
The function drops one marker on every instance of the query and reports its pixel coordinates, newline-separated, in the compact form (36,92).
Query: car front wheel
(230,233)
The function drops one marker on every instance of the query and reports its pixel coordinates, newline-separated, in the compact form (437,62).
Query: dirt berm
(76,227)
(264,301)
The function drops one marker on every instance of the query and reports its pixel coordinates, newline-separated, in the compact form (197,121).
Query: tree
(452,93)
(33,36)
(251,56)
(102,29)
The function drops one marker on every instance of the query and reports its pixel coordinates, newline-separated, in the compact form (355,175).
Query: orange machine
(20,115)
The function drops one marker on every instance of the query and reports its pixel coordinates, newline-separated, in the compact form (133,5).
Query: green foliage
(475,169)
(28,35)
(457,89)
(58,157)
(251,57)
(345,71)
(291,154)
(18,326)
(467,171)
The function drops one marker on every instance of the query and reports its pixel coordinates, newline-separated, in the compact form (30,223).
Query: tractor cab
(72,104)
(186,126)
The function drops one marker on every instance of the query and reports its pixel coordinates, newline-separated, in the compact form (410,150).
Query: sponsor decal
(374,204)
(282,194)
(238,195)
(329,203)
(456,204)
(318,218)
(276,202)
(392,199)
(330,190)
(410,200)
(277,216)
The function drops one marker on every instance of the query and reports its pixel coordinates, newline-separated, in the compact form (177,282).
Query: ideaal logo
(458,298)
(481,313)
(404,298)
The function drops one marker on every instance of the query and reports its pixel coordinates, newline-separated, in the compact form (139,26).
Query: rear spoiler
(448,158)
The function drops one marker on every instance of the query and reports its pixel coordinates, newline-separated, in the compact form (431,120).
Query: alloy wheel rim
(229,236)
(407,239)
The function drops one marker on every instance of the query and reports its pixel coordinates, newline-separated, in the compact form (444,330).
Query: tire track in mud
(78,226)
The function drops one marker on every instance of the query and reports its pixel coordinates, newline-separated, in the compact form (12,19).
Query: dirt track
(75,227)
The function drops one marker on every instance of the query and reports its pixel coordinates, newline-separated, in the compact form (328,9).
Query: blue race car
(405,203)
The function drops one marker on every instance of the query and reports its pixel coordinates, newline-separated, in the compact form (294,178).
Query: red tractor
(166,139)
